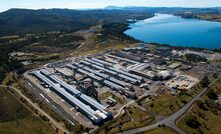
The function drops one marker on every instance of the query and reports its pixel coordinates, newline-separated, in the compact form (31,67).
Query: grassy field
(208,117)
(132,119)
(161,130)
(166,104)
(16,119)
(207,120)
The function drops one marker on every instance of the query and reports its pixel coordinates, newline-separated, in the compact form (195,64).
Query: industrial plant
(91,89)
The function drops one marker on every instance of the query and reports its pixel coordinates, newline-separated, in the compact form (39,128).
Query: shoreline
(173,46)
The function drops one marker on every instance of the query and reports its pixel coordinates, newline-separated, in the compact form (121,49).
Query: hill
(22,21)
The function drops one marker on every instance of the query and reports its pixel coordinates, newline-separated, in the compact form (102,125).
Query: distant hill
(21,21)
(166,9)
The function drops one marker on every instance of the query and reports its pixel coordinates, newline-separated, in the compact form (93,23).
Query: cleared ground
(161,130)
(166,104)
(16,119)
(207,114)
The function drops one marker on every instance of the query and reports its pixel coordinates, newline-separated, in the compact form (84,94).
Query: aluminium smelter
(85,108)
(113,85)
(82,96)
(114,56)
(94,62)
(126,73)
(96,72)
(72,67)
(128,78)
(105,70)
(101,61)
(119,82)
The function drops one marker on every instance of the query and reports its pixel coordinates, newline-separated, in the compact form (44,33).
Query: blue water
(177,31)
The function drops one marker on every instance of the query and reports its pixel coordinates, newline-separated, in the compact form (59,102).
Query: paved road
(171,120)
(122,108)
(55,123)
(133,101)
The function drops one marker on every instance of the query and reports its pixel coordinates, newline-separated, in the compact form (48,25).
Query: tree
(195,58)
(205,82)
(201,105)
(212,95)
(193,122)
(215,75)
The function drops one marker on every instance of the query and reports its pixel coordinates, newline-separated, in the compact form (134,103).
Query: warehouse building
(110,82)
(128,56)
(96,116)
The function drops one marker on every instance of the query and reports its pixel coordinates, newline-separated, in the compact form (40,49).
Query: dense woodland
(115,30)
(22,21)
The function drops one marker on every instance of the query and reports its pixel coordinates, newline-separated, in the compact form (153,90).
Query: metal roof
(68,96)
(85,62)
(126,73)
(88,69)
(74,91)
(128,78)
(71,66)
(113,85)
(113,56)
(102,62)
(105,70)
(119,88)
(94,62)
(121,83)
(94,77)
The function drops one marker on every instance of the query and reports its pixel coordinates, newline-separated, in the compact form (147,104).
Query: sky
(84,4)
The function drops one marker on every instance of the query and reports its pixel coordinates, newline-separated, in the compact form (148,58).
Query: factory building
(149,75)
(164,75)
(140,79)
(64,73)
(120,58)
(128,56)
(139,48)
(102,62)
(102,66)
(106,80)
(95,115)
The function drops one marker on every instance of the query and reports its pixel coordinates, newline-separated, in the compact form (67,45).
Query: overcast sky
(79,4)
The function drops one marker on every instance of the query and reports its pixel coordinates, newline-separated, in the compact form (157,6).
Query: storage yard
(92,89)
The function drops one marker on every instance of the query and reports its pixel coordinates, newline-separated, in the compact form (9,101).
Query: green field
(207,113)
(16,119)
(166,104)
(162,130)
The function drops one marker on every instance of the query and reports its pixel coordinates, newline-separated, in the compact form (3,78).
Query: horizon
(100,4)
(103,8)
